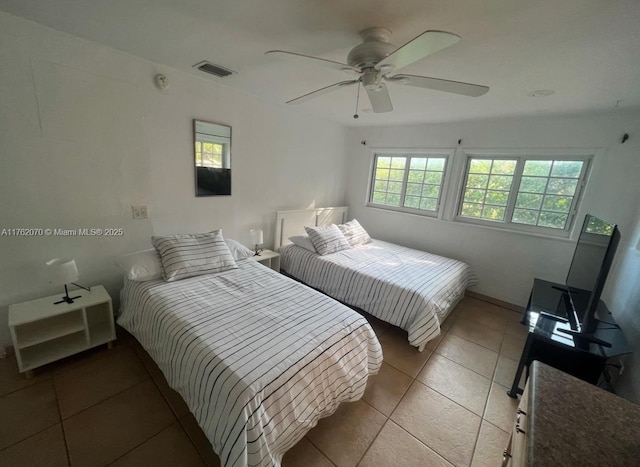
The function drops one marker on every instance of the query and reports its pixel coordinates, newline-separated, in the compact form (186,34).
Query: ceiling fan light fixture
(371,80)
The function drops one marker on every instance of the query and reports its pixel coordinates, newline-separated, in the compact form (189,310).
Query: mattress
(412,289)
(257,357)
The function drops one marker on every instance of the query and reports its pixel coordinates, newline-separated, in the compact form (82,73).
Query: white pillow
(191,255)
(327,239)
(303,241)
(238,250)
(354,233)
(141,266)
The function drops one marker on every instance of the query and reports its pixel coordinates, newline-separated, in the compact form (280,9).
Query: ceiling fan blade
(321,91)
(427,43)
(309,59)
(380,100)
(456,87)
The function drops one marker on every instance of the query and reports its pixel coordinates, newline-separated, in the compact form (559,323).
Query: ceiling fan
(376,60)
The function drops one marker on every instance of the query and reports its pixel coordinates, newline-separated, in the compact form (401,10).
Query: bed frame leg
(421,348)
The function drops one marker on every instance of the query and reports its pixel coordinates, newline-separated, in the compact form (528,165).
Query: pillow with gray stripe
(189,255)
(354,233)
(327,239)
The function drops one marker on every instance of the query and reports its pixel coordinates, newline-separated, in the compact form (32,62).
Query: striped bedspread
(259,358)
(412,289)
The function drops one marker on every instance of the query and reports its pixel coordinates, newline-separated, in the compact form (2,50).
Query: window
(525,191)
(210,154)
(412,183)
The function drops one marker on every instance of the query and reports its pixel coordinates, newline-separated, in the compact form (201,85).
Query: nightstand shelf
(30,334)
(43,332)
(269,258)
(55,349)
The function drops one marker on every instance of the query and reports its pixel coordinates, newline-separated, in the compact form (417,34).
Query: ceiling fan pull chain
(357,102)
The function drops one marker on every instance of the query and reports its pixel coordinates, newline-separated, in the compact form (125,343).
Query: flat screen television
(589,269)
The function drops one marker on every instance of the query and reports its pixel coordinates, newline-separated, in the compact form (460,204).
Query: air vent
(215,70)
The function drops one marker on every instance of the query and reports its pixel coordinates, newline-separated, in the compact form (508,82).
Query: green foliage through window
(209,154)
(535,192)
(408,181)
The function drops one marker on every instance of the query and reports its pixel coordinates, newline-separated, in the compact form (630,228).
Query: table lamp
(256,238)
(64,271)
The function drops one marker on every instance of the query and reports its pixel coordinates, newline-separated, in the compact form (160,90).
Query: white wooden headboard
(290,223)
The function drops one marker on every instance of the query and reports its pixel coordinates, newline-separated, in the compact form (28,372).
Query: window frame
(446,153)
(523,155)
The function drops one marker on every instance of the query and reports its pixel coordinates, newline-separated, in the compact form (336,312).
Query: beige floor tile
(110,429)
(517,329)
(379,327)
(506,371)
(385,389)
(305,454)
(468,354)
(486,314)
(492,442)
(93,380)
(200,440)
(11,380)
(345,436)
(394,447)
(451,319)
(467,388)
(27,412)
(501,409)
(173,398)
(434,343)
(444,426)
(146,359)
(505,312)
(46,448)
(171,447)
(476,332)
(512,346)
(400,354)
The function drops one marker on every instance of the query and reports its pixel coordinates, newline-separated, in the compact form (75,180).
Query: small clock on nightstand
(269,258)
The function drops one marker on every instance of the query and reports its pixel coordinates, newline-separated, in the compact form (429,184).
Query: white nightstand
(43,332)
(269,258)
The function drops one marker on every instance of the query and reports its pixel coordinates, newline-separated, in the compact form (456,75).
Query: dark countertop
(573,423)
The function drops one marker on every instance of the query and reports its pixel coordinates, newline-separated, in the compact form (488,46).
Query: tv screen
(589,269)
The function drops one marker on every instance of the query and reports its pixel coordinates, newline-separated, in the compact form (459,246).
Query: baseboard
(495,301)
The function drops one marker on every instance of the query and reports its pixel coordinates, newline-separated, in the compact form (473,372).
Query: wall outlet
(140,212)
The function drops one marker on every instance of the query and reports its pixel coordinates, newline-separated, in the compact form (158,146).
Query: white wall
(506,262)
(625,300)
(85,134)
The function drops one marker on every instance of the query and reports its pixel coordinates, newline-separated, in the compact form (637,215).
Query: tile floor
(445,406)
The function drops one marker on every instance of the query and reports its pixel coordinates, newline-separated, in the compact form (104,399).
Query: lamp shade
(62,271)
(256,236)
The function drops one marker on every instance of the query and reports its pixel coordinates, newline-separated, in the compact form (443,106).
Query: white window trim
(587,155)
(444,194)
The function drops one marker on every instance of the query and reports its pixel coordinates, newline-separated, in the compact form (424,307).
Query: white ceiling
(587,51)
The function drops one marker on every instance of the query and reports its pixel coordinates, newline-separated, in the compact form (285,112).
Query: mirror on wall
(212,143)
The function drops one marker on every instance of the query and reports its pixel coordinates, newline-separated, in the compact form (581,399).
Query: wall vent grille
(212,69)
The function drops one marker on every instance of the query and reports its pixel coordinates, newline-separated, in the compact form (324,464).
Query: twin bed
(408,288)
(259,357)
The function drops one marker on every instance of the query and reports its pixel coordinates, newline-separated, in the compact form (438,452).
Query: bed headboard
(290,223)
